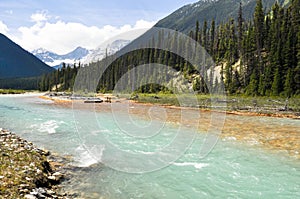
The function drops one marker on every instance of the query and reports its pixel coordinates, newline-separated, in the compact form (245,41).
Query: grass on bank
(233,102)
(11,91)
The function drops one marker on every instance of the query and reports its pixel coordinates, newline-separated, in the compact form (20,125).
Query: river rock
(29,196)
(56,177)
(38,170)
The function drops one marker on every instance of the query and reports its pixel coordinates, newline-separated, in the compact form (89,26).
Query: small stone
(57,176)
(41,196)
(51,177)
(38,171)
(34,193)
(50,192)
(23,185)
(29,196)
(24,191)
(45,152)
(41,190)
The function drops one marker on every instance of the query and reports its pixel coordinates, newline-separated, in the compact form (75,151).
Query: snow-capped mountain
(102,51)
(80,54)
(54,60)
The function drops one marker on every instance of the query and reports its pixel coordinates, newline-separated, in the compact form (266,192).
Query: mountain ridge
(15,62)
(80,54)
(102,51)
(53,59)
(184,18)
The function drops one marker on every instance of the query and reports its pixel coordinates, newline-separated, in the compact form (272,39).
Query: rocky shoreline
(29,172)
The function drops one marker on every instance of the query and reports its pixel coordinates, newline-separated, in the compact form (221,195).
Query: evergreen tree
(212,36)
(197,31)
(262,85)
(297,69)
(276,83)
(253,85)
(240,29)
(259,29)
(204,35)
(288,84)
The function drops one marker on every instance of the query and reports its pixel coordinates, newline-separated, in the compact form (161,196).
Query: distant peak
(39,51)
(79,47)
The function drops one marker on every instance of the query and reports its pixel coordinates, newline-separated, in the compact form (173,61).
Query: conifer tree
(252,88)
(212,36)
(204,35)
(197,31)
(276,83)
(240,29)
(288,84)
(259,29)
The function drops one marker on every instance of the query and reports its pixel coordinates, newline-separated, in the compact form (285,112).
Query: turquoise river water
(231,170)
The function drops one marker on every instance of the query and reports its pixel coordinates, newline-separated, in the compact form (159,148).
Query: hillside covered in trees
(260,56)
(185,18)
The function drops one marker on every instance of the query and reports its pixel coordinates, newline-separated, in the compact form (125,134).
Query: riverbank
(239,105)
(27,171)
(246,106)
(11,91)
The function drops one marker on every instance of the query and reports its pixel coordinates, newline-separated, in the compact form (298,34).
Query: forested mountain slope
(184,19)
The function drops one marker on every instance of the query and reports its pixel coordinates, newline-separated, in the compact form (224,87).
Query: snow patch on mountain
(53,59)
(102,51)
(79,55)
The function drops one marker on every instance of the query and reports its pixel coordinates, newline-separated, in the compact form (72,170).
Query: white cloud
(143,24)
(62,37)
(3,28)
(40,16)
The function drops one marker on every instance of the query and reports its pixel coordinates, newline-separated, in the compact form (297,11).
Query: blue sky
(62,26)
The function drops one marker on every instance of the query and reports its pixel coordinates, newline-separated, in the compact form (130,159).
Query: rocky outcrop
(25,170)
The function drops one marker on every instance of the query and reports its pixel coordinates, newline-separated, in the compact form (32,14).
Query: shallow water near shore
(236,167)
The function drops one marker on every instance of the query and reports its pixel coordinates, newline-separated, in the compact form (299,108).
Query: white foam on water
(194,164)
(146,152)
(47,127)
(104,131)
(86,158)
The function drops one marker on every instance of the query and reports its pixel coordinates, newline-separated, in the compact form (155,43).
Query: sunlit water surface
(232,169)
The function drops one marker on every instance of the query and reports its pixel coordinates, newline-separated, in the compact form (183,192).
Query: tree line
(260,56)
(60,80)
